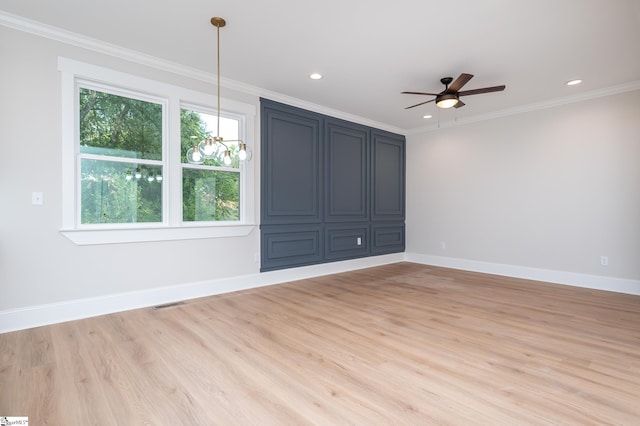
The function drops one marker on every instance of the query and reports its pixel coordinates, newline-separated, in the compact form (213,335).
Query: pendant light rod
(206,148)
(218,23)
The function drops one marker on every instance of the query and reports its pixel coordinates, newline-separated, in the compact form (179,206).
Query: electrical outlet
(37,198)
(359,241)
(604,260)
(443,245)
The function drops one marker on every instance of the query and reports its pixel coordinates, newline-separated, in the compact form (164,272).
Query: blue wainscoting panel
(346,241)
(387,238)
(288,246)
(291,182)
(347,171)
(388,181)
(330,189)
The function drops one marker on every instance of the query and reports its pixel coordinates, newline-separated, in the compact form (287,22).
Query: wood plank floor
(393,345)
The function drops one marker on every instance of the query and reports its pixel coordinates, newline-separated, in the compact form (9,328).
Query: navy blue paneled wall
(330,189)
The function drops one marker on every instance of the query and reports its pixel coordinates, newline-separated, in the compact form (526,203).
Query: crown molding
(331,112)
(57,34)
(68,37)
(594,94)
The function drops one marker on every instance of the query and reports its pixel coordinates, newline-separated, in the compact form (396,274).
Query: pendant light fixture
(207,148)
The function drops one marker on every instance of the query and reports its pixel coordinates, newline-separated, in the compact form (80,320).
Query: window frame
(82,83)
(241,169)
(75,74)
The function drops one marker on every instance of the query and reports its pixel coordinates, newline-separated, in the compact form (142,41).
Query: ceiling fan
(450,96)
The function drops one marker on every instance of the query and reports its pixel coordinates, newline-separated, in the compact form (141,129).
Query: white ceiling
(371,50)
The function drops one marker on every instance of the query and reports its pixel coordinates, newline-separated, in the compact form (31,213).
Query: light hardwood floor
(393,345)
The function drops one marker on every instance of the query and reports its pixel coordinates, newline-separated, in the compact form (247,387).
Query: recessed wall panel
(346,189)
(287,246)
(387,238)
(345,241)
(292,173)
(388,177)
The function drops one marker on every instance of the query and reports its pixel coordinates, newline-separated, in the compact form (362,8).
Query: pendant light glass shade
(244,152)
(207,147)
(227,157)
(194,156)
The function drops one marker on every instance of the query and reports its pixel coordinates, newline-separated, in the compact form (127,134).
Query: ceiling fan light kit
(447,100)
(450,96)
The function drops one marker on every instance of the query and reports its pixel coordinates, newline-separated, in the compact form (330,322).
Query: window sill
(119,236)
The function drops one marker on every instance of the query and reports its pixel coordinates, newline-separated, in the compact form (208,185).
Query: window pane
(210,195)
(119,126)
(114,192)
(196,126)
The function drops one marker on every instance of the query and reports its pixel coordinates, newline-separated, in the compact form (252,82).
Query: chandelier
(207,148)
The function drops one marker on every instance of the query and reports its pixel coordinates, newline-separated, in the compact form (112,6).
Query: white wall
(37,264)
(552,189)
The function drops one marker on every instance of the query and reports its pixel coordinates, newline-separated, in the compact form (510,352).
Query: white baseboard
(596,282)
(35,316)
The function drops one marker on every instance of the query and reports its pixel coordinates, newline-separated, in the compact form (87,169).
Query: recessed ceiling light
(573,82)
(315,76)
(428,116)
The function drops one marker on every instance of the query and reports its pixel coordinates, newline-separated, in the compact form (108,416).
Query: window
(120,152)
(125,171)
(210,191)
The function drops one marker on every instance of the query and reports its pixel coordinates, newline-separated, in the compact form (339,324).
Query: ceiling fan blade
(483,90)
(460,81)
(421,103)
(420,93)
(460,104)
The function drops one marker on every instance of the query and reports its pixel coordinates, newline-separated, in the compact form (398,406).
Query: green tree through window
(210,192)
(122,164)
(115,131)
